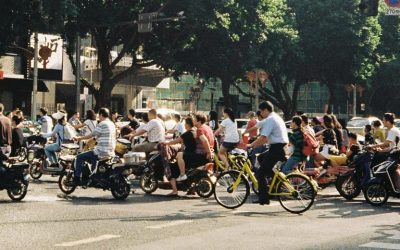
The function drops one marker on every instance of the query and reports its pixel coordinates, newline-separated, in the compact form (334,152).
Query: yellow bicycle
(295,191)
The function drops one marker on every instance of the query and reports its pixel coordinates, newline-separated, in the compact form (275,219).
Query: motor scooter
(386,181)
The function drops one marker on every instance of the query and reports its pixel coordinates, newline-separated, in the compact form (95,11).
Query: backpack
(310,144)
(69,132)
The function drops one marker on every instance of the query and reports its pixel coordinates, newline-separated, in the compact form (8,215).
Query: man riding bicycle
(274,132)
(105,134)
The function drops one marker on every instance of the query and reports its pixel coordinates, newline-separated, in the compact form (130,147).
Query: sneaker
(182,178)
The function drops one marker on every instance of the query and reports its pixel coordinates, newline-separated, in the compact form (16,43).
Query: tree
(220,39)
(111,24)
(20,18)
(339,44)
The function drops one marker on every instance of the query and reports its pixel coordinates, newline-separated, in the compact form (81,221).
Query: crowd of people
(200,136)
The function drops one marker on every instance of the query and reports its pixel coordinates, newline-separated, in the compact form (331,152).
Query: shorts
(229,146)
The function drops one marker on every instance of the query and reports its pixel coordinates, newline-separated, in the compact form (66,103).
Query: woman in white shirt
(90,125)
(231,135)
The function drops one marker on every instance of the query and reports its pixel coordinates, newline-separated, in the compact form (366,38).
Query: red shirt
(251,124)
(208,133)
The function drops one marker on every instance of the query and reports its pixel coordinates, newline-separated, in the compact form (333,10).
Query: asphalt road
(92,219)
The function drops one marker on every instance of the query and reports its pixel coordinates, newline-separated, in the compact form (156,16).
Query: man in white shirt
(155,134)
(45,121)
(393,135)
(274,131)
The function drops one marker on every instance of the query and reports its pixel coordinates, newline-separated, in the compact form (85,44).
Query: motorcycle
(198,180)
(38,164)
(386,181)
(14,178)
(109,174)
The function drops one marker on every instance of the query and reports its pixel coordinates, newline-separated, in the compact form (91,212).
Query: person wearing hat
(45,121)
(57,134)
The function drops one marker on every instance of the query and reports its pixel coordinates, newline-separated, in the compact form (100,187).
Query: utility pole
(35,76)
(78,73)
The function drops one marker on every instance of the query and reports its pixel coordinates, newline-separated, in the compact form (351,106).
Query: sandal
(172,195)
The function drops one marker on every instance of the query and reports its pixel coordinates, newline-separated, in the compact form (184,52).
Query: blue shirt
(274,129)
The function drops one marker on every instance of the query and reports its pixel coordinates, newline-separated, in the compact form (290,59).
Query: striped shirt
(297,140)
(105,137)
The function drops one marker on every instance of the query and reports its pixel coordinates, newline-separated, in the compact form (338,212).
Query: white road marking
(42,198)
(87,241)
(170,224)
(324,204)
(381,245)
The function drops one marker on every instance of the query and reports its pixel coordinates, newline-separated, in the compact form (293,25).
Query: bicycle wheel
(301,199)
(225,195)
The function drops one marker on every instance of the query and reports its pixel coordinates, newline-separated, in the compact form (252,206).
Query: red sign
(1,74)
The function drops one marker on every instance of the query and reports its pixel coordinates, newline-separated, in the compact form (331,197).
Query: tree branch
(127,47)
(241,91)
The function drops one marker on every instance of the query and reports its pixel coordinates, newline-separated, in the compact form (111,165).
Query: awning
(25,85)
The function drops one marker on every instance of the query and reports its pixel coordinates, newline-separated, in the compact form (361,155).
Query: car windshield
(241,124)
(358,123)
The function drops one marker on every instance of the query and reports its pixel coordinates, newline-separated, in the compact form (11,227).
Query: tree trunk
(226,84)
(103,99)
(331,97)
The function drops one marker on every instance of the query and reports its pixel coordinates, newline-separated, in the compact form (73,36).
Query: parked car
(357,124)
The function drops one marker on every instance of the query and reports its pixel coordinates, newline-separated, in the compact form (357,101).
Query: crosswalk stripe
(87,241)
(381,245)
(170,224)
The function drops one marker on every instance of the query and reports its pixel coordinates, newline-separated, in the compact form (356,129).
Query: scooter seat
(20,165)
(70,146)
(69,158)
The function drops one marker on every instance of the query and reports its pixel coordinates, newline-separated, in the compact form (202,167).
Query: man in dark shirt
(5,130)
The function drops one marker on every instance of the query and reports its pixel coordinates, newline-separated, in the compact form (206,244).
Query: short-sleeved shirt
(74,121)
(230,131)
(180,128)
(379,134)
(297,139)
(189,140)
(90,126)
(274,129)
(106,139)
(208,133)
(46,123)
(250,124)
(393,136)
(155,131)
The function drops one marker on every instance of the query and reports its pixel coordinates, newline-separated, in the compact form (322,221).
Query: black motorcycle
(13,177)
(386,181)
(109,174)
(350,184)
(153,177)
